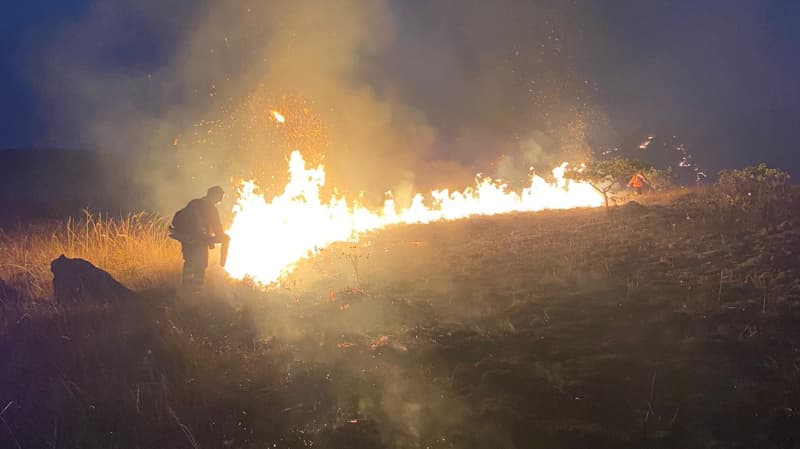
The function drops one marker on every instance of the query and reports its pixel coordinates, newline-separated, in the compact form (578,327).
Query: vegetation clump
(752,194)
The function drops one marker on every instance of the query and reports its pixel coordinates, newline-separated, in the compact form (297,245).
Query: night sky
(721,75)
(21,125)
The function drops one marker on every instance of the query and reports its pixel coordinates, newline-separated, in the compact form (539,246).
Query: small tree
(605,175)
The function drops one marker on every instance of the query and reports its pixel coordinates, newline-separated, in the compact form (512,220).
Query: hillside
(644,327)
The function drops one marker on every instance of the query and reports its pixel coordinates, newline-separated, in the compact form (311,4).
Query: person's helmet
(215,193)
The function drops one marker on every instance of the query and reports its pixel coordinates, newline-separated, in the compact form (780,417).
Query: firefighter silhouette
(197,226)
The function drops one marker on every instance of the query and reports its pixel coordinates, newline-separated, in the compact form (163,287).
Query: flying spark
(278,116)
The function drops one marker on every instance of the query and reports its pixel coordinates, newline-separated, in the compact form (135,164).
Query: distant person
(637,182)
(197,226)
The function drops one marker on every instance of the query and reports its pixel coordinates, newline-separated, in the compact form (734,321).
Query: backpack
(184,220)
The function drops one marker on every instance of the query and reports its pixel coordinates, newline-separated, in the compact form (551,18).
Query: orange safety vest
(636,181)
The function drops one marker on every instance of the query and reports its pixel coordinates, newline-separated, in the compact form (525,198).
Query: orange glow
(269,237)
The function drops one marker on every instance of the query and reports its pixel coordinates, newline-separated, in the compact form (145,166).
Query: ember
(278,116)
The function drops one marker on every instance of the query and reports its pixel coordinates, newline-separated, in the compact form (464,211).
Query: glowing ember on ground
(278,116)
(269,237)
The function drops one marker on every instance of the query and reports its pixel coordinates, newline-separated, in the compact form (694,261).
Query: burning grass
(135,249)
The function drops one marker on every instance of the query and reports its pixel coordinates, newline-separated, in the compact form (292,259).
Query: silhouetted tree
(605,175)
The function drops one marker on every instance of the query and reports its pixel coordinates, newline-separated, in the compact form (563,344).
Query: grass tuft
(135,249)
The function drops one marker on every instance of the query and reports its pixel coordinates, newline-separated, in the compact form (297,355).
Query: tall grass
(135,249)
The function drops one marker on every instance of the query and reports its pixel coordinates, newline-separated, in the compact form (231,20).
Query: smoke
(187,89)
(388,95)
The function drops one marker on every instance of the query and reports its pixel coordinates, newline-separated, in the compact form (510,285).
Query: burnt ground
(646,327)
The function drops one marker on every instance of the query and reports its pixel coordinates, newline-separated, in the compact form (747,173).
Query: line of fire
(396,224)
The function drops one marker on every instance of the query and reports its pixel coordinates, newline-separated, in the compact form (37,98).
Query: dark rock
(77,280)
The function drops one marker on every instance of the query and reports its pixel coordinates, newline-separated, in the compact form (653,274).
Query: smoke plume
(388,95)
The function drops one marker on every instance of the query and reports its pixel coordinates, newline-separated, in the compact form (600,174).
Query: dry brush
(136,249)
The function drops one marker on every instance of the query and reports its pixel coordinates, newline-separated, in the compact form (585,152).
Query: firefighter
(197,226)
(637,182)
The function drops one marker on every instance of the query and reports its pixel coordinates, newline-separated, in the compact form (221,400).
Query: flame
(278,116)
(268,238)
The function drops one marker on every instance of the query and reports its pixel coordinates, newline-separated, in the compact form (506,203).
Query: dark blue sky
(20,121)
(721,74)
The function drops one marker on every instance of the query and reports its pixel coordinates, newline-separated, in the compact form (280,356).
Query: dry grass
(666,197)
(558,329)
(135,249)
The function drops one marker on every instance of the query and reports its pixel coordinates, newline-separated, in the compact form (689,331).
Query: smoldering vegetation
(646,326)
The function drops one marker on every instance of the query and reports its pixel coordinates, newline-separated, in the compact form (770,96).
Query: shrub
(752,193)
(659,180)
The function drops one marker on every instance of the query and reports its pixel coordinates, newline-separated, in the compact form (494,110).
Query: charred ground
(649,326)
